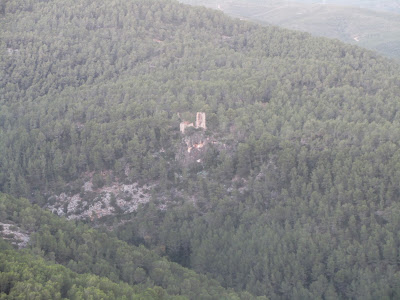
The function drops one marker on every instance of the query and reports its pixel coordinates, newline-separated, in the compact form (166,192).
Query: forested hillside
(25,276)
(85,250)
(291,191)
(374,25)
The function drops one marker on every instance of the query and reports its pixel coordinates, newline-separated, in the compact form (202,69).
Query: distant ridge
(376,27)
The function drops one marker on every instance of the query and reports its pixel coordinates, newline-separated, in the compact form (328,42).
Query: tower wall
(201,120)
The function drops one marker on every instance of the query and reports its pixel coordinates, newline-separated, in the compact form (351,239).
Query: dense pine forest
(374,25)
(291,191)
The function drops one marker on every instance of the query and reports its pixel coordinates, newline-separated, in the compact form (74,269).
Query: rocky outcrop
(109,200)
(14,234)
(192,148)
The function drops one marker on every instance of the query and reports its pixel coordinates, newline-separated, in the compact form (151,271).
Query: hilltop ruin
(200,122)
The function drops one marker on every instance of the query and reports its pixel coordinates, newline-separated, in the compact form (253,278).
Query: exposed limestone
(88,186)
(15,235)
(108,200)
(127,170)
(195,145)
(192,148)
(11,51)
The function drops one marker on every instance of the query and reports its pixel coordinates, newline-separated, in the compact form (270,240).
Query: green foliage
(85,250)
(24,276)
(370,24)
(67,109)
(299,196)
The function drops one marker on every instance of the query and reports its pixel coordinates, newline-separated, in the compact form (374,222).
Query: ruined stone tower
(184,125)
(201,120)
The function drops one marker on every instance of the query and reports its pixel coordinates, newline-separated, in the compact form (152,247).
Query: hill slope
(24,276)
(127,271)
(291,192)
(373,29)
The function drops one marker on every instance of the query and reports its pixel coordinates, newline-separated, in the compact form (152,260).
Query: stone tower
(184,125)
(201,120)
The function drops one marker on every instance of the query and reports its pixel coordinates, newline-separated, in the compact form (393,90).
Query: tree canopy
(295,196)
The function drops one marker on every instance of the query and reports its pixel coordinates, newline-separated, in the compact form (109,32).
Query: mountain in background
(374,25)
(382,5)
